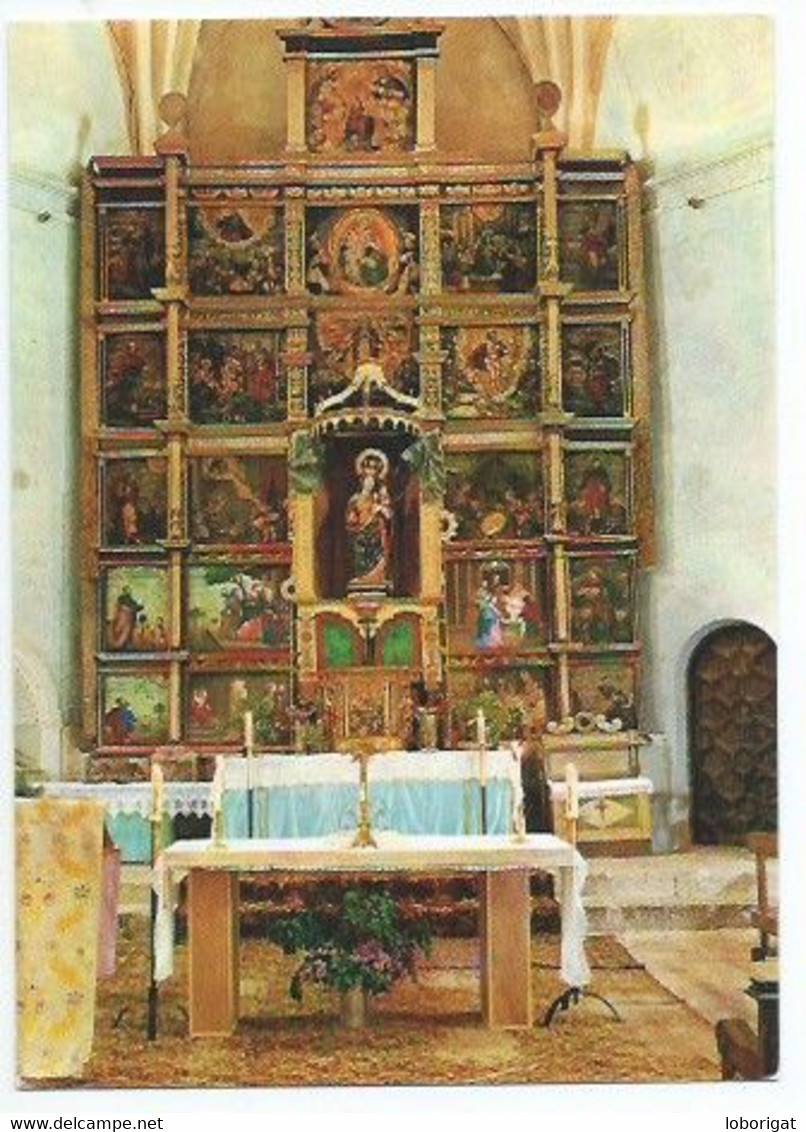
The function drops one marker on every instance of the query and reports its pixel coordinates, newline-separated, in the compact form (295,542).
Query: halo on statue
(372,453)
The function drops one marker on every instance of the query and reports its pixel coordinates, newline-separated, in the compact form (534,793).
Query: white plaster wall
(692,98)
(64,104)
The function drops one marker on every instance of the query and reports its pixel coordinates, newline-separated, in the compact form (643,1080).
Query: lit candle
(571,792)
(157,792)
(249,733)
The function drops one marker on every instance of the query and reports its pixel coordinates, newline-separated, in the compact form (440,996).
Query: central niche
(368,522)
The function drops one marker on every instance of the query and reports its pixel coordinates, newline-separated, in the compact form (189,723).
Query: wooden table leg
(213,945)
(505,913)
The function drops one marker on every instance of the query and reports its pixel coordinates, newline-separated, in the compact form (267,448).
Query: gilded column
(426,103)
(430,265)
(430,357)
(296,359)
(90,520)
(295,88)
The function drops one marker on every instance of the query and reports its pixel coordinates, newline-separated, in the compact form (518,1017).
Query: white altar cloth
(394,853)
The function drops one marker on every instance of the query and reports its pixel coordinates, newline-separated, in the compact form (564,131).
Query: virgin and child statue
(369,526)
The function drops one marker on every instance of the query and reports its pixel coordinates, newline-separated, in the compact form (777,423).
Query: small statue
(369,526)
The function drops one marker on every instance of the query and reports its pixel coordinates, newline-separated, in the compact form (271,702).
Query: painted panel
(496,605)
(218,701)
(238,607)
(495,495)
(235,248)
(341,342)
(602,599)
(513,698)
(134,709)
(488,247)
(239,499)
(590,248)
(133,386)
(134,501)
(597,492)
(491,371)
(606,687)
(136,609)
(132,252)
(355,251)
(365,106)
(594,377)
(237,377)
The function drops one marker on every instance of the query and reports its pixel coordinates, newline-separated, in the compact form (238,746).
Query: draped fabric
(59,896)
(153,57)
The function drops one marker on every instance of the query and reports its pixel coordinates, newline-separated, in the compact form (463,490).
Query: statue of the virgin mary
(369,526)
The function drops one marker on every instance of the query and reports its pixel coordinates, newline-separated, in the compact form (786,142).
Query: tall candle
(571,792)
(249,732)
(217,788)
(517,797)
(157,792)
(481,728)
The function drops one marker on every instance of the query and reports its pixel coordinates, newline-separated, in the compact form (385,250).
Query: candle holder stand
(571,995)
(363,838)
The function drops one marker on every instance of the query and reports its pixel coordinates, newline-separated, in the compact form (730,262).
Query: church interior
(394,599)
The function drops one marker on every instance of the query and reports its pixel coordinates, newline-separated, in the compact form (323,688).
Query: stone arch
(38,726)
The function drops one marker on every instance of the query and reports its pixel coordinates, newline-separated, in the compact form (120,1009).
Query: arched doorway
(733,735)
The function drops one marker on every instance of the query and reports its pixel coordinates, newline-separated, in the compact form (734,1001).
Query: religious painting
(494,495)
(490,371)
(602,599)
(513,698)
(217,703)
(235,247)
(239,607)
(488,247)
(594,370)
(597,491)
(239,499)
(132,252)
(605,687)
(363,106)
(134,390)
(368,704)
(134,501)
(236,377)
(590,245)
(343,342)
(134,709)
(362,251)
(136,609)
(496,605)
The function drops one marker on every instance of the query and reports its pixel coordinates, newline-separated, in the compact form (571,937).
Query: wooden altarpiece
(365,428)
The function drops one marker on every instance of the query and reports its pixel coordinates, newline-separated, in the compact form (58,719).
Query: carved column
(430,264)
(426,103)
(295,90)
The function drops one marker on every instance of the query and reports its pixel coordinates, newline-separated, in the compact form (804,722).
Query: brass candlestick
(218,826)
(363,838)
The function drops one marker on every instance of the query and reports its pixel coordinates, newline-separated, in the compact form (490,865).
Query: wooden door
(732,730)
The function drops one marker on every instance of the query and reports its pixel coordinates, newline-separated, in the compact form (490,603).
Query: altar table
(501,863)
(314,795)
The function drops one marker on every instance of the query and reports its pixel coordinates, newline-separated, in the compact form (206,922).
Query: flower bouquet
(357,945)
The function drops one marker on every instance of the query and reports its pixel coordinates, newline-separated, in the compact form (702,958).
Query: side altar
(365,430)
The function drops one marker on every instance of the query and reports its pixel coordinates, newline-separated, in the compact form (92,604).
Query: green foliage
(427,461)
(306,468)
(359,943)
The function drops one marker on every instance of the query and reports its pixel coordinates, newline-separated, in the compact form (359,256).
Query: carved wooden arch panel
(733,735)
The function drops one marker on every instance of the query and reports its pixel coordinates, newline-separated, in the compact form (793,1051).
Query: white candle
(157,791)
(249,732)
(571,792)
(481,728)
(517,795)
(217,788)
